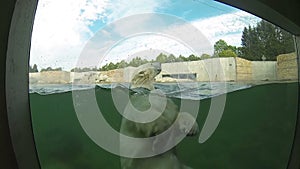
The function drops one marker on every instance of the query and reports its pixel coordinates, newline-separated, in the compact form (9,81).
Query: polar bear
(141,86)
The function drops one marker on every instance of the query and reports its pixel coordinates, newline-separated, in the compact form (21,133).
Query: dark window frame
(17,110)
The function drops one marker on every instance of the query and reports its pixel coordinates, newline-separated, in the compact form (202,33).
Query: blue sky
(62,29)
(196,9)
(189,10)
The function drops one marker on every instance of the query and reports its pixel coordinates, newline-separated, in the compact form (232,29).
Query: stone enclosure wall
(264,70)
(214,69)
(243,69)
(287,67)
(50,77)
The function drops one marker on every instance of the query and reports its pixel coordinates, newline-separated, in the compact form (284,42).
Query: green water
(256,131)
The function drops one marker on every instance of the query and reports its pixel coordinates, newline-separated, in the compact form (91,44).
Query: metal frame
(17,84)
(294,162)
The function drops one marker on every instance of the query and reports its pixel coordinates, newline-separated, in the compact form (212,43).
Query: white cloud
(146,46)
(228,27)
(123,8)
(62,28)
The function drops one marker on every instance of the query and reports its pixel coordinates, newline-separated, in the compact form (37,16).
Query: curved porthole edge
(294,162)
(16,82)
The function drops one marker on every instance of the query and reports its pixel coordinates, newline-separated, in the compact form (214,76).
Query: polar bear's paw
(187,124)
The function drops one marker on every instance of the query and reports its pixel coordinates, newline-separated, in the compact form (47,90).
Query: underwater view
(256,130)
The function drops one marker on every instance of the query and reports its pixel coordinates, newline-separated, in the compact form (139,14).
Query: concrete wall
(116,75)
(243,69)
(183,68)
(220,69)
(84,77)
(264,70)
(63,77)
(229,68)
(287,67)
(215,69)
(256,70)
(50,77)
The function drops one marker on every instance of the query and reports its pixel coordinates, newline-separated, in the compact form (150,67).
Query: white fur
(144,78)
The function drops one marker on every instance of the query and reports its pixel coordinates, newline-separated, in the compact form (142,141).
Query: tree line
(264,41)
(34,69)
(162,58)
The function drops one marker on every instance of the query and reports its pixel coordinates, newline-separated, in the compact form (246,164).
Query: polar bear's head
(145,74)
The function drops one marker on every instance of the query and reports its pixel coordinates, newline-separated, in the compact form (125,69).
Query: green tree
(193,58)
(104,68)
(122,64)
(265,40)
(222,49)
(171,58)
(250,44)
(227,53)
(162,58)
(51,69)
(135,62)
(181,59)
(112,66)
(219,46)
(85,69)
(33,69)
(234,49)
(205,56)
